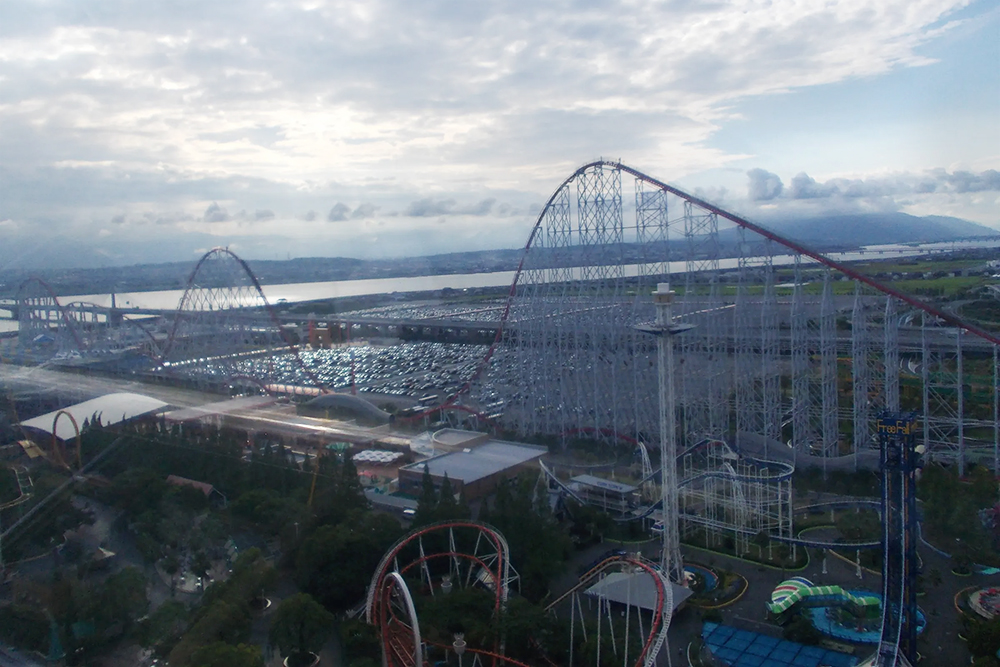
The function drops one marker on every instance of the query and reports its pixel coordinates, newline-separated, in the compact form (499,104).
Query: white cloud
(459,110)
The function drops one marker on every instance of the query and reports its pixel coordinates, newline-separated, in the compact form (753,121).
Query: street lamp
(664,328)
(459,646)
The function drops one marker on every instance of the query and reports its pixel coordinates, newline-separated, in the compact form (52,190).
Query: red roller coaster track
(794,246)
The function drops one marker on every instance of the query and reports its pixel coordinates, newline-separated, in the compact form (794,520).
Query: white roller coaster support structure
(670,553)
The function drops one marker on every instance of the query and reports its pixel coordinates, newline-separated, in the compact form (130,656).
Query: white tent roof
(634,588)
(111,409)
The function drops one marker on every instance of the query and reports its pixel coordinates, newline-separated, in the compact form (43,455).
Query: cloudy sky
(145,131)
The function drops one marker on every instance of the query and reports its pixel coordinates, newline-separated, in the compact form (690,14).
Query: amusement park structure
(223,329)
(900,459)
(722,496)
(438,558)
(728,496)
(769,356)
(787,346)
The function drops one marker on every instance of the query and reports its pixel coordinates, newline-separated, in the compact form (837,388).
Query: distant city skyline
(151,132)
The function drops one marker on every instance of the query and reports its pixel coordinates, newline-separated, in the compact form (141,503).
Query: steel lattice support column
(943,392)
(670,556)
(891,354)
(803,435)
(996,412)
(701,397)
(746,366)
(828,370)
(860,350)
(770,395)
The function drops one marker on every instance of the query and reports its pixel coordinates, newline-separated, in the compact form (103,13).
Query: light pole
(459,646)
(664,328)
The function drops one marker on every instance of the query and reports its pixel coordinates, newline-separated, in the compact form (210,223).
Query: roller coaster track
(664,600)
(185,310)
(819,544)
(24,486)
(740,222)
(798,248)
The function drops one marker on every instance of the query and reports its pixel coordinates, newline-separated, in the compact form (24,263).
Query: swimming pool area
(864,631)
(742,648)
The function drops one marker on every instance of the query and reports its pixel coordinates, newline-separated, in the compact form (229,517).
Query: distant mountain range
(828,233)
(877,229)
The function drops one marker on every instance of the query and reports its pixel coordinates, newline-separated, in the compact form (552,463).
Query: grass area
(939,286)
(922,266)
(944,287)
(772,554)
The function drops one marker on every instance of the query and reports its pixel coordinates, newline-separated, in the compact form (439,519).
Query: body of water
(299,292)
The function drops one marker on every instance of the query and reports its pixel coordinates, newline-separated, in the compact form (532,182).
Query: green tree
(984,637)
(427,504)
(800,629)
(164,624)
(219,621)
(761,540)
(201,564)
(336,563)
(338,490)
(449,509)
(300,626)
(252,577)
(220,654)
(360,641)
(120,599)
(538,546)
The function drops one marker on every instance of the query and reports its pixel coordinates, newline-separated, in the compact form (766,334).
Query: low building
(211,493)
(476,470)
(109,410)
(610,496)
(636,588)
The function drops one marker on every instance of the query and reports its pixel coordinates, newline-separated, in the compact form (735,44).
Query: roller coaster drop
(775,350)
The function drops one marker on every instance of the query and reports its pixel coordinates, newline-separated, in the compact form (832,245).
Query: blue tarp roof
(741,648)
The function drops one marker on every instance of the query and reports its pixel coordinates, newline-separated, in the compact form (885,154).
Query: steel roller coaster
(477,554)
(792,353)
(222,319)
(789,346)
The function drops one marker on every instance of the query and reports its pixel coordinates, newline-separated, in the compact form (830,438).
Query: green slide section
(797,589)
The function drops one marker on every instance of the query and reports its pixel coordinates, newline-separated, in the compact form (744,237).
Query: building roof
(110,408)
(732,646)
(220,408)
(636,589)
(605,484)
(473,464)
(350,403)
(453,437)
(204,487)
(387,500)
(30,448)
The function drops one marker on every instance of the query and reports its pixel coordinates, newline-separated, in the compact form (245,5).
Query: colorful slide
(799,589)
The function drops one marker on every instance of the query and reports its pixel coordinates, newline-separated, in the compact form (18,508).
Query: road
(32,380)
(79,386)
